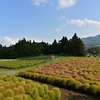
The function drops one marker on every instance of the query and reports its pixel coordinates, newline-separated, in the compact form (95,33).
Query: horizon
(46,20)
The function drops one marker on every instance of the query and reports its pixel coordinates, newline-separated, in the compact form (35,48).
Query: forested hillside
(91,41)
(24,48)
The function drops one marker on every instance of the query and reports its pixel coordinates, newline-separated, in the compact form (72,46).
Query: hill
(91,41)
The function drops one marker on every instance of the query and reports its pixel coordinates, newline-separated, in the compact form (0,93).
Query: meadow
(78,74)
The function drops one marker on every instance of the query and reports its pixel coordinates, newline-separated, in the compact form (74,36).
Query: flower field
(17,88)
(77,73)
(14,64)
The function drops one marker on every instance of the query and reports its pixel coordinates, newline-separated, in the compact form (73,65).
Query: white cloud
(77,22)
(58,29)
(62,4)
(84,22)
(39,2)
(11,41)
(93,23)
(7,41)
(62,18)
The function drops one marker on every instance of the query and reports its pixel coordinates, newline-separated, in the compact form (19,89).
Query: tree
(64,45)
(54,47)
(94,51)
(76,46)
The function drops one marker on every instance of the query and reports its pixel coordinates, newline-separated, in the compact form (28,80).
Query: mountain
(91,41)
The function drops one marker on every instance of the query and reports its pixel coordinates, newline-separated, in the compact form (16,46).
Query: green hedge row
(14,64)
(69,83)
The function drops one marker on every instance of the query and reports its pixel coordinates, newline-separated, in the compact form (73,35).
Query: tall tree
(64,45)
(54,47)
(77,46)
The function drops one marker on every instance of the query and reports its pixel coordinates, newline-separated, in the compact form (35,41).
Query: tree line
(25,48)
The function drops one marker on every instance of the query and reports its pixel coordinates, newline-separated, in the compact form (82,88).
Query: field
(77,77)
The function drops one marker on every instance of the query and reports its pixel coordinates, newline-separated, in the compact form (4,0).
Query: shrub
(46,89)
(2,89)
(83,80)
(77,84)
(1,84)
(28,81)
(41,91)
(22,90)
(84,87)
(12,85)
(8,98)
(52,95)
(25,97)
(7,86)
(27,88)
(18,83)
(16,91)
(18,97)
(20,79)
(9,93)
(33,85)
(49,79)
(57,93)
(15,79)
(71,82)
(39,98)
(98,90)
(92,89)
(1,96)
(64,82)
(23,83)
(34,93)
(46,97)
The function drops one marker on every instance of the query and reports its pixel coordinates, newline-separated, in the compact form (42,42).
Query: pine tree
(76,46)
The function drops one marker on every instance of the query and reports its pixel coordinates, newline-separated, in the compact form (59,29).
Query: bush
(28,81)
(34,93)
(71,82)
(77,85)
(46,97)
(33,85)
(46,89)
(25,97)
(8,98)
(84,87)
(83,80)
(57,93)
(18,97)
(52,95)
(64,82)
(12,85)
(16,91)
(15,79)
(22,90)
(18,83)
(7,86)
(27,88)
(9,93)
(41,91)
(92,89)
(98,90)
(39,98)
(23,83)
(1,96)
(2,89)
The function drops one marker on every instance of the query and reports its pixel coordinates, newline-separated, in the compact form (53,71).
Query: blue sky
(46,20)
